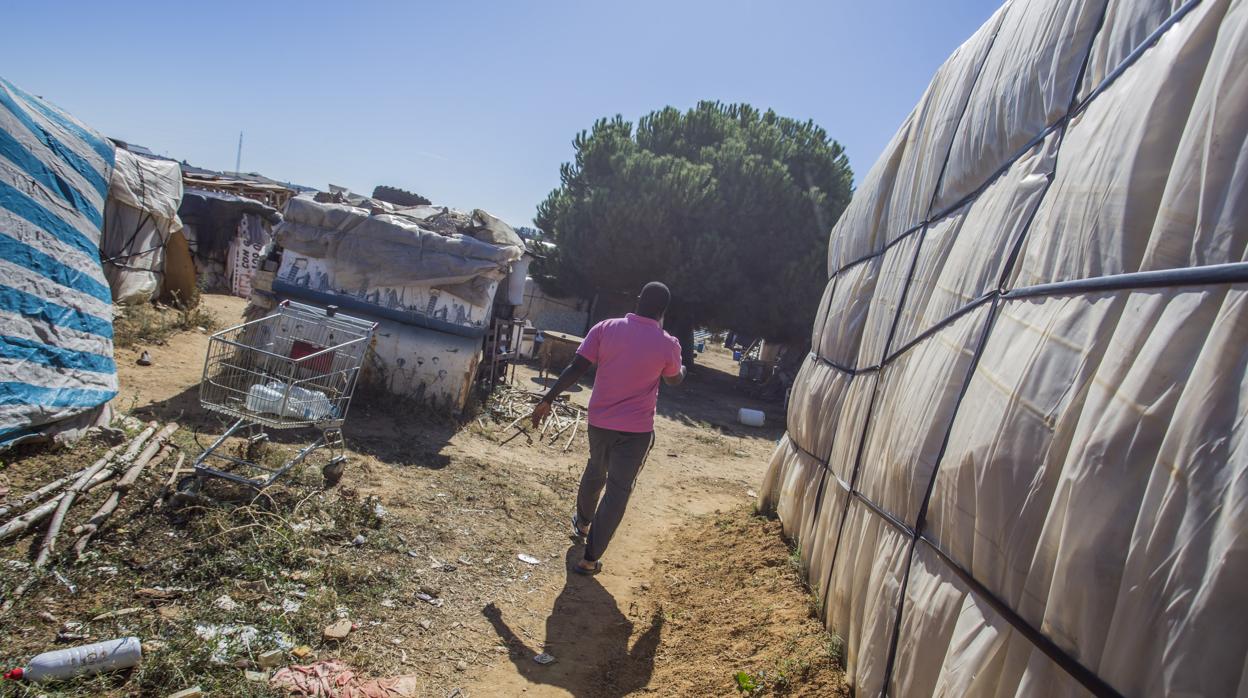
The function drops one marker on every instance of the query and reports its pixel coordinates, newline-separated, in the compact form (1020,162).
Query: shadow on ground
(386,427)
(551,380)
(589,637)
(710,397)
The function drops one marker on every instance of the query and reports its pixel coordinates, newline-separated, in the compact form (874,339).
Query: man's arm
(674,361)
(678,378)
(567,379)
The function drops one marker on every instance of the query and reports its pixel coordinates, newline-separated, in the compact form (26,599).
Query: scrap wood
(97,473)
(38,495)
(123,485)
(67,501)
(566,425)
(517,405)
(62,504)
(571,438)
(137,444)
(177,470)
(25,522)
(167,488)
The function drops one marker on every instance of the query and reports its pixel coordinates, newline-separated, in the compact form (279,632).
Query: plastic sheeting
(141,213)
(1017,459)
(382,250)
(56,312)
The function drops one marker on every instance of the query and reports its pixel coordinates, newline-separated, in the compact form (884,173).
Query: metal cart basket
(295,368)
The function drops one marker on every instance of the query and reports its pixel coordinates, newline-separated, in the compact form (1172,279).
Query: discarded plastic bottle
(110,655)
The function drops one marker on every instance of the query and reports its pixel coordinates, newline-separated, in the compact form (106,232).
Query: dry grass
(292,545)
(734,573)
(154,324)
(284,546)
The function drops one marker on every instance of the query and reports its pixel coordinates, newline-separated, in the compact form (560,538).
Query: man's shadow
(588,636)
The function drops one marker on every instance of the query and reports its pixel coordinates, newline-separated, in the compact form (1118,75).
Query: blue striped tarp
(56,313)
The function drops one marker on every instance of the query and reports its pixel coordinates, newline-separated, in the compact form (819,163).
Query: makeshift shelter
(427,275)
(228,236)
(249,186)
(56,333)
(1017,458)
(544,311)
(139,217)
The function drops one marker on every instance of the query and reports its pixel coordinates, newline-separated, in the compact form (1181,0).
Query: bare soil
(419,546)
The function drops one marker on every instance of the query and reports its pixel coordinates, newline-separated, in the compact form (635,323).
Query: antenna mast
(238,161)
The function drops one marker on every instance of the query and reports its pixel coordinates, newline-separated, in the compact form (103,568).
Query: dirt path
(176,363)
(702,463)
(461,494)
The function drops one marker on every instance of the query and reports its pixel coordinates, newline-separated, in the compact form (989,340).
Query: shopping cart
(295,368)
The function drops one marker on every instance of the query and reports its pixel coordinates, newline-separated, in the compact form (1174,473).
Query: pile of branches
(45,509)
(509,403)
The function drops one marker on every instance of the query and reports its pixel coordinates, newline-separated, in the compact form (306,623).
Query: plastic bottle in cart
(110,655)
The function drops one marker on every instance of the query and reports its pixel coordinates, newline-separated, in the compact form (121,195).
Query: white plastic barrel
(110,655)
(750,418)
(515,280)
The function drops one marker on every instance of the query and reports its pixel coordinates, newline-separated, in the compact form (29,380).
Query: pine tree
(730,206)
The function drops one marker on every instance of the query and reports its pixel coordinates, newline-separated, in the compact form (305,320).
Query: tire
(332,472)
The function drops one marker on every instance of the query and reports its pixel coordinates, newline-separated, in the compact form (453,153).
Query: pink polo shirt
(631,353)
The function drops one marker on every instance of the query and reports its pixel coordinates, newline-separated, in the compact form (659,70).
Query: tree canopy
(728,205)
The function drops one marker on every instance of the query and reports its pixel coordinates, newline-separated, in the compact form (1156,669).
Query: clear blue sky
(473,104)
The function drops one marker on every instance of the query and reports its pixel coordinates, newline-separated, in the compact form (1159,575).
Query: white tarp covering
(140,215)
(56,311)
(1017,459)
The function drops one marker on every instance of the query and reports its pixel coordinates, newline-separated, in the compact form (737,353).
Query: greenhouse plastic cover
(1017,458)
(56,312)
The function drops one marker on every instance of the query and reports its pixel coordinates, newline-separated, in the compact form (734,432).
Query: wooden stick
(38,495)
(138,442)
(67,501)
(509,426)
(177,468)
(119,488)
(575,424)
(170,483)
(25,522)
(36,574)
(22,523)
(122,486)
(162,456)
(566,425)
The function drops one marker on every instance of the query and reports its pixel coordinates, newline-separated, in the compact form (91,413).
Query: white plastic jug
(85,660)
(750,418)
(301,403)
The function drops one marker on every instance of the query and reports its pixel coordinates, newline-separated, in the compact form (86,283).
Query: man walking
(632,353)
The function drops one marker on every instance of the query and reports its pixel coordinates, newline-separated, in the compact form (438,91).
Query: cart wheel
(257,447)
(332,472)
(187,492)
(190,484)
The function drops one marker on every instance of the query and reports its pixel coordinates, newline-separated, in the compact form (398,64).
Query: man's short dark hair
(653,299)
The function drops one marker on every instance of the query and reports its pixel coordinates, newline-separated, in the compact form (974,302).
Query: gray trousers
(615,459)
